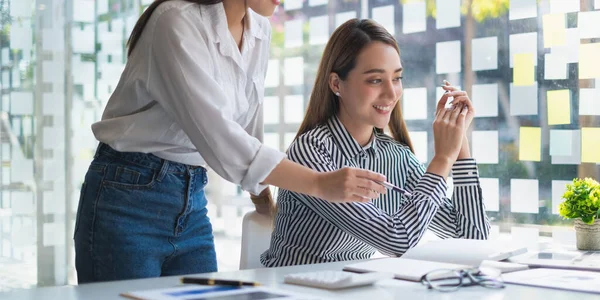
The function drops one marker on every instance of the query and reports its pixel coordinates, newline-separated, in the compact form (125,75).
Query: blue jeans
(141,216)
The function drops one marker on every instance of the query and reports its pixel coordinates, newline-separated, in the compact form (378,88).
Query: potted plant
(582,203)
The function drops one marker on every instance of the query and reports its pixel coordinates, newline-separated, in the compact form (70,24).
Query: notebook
(445,254)
(465,251)
(503,267)
(413,270)
(402,268)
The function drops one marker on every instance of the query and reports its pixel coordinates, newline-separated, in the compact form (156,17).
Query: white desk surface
(383,290)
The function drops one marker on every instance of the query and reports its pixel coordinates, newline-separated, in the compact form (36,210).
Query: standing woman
(190,97)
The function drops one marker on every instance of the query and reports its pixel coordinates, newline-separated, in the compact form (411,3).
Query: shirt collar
(254,26)
(218,20)
(347,144)
(372,143)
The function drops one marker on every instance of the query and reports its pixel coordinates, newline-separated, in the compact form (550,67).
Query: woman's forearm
(335,185)
(294,177)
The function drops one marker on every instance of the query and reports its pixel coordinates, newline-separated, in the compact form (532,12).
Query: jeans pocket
(79,208)
(130,176)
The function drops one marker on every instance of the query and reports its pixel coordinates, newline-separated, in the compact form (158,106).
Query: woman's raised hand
(450,125)
(460,97)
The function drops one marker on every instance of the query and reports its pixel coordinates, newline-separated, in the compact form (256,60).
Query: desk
(383,290)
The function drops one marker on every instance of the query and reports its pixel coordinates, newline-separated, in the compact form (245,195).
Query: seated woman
(356,95)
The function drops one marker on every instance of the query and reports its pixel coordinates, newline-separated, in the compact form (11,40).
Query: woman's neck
(361,133)
(235,10)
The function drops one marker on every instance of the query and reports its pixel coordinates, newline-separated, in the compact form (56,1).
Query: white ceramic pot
(588,236)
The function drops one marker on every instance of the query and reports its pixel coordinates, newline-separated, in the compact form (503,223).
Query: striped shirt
(311,230)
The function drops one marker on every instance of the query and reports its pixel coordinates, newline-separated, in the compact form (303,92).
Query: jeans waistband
(148,160)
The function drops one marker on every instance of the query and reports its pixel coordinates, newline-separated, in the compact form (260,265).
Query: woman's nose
(390,90)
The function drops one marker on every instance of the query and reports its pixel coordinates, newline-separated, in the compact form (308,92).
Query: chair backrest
(256,237)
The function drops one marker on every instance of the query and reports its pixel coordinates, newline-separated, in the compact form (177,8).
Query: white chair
(256,237)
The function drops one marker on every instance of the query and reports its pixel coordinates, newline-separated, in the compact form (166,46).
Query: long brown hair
(339,57)
(136,33)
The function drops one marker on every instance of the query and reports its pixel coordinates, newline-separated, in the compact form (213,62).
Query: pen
(211,281)
(395,188)
(449,102)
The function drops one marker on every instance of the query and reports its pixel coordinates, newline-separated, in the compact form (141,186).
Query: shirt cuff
(263,163)
(465,172)
(433,186)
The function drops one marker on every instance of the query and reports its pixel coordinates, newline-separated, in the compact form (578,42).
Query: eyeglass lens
(451,280)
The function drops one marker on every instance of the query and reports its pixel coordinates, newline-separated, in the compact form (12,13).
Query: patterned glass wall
(531,67)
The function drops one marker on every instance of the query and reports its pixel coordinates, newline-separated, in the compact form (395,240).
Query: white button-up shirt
(189,95)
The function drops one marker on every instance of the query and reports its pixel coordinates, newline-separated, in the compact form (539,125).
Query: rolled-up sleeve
(181,83)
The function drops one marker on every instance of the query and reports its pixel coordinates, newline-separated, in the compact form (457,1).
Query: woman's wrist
(465,152)
(440,165)
(314,188)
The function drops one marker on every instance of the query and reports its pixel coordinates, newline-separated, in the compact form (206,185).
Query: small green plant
(581,200)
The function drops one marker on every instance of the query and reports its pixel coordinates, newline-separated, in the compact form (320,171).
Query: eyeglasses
(447,280)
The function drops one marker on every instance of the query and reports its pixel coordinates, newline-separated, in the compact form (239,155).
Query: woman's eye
(398,78)
(375,81)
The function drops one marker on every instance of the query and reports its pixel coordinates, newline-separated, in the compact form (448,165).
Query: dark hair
(143,20)
(340,55)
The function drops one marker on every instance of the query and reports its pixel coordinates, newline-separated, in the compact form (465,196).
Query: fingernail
(464,111)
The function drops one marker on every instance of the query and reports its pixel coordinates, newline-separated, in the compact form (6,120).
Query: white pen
(395,188)
(449,102)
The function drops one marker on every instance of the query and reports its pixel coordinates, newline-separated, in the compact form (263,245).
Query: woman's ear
(334,83)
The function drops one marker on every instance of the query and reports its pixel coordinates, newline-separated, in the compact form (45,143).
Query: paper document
(557,259)
(464,251)
(201,292)
(582,281)
(405,269)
